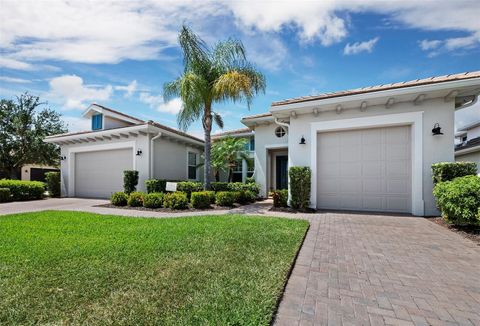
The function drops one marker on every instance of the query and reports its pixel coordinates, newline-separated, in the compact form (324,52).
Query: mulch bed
(292,210)
(168,210)
(471,232)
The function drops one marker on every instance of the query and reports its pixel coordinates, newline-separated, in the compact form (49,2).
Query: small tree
(130,181)
(23,127)
(226,153)
(300,178)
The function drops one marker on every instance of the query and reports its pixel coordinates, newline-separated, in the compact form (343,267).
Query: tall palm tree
(211,75)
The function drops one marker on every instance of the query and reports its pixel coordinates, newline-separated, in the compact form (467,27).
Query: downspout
(152,156)
(283,124)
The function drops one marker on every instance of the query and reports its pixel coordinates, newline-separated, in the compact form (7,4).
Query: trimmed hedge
(189,186)
(135,199)
(300,177)
(225,198)
(53,183)
(447,171)
(219,186)
(157,185)
(4,195)
(175,200)
(24,190)
(211,195)
(459,200)
(246,197)
(200,199)
(280,198)
(236,186)
(119,199)
(153,200)
(130,181)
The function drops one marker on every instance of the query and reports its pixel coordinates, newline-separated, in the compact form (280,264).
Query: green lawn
(81,268)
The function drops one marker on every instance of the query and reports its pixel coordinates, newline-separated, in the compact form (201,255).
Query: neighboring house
(370,148)
(244,168)
(467,147)
(92,162)
(35,172)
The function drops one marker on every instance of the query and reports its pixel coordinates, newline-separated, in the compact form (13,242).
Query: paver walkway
(357,269)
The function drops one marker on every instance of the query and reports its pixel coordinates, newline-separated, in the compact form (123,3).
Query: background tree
(227,152)
(211,75)
(23,126)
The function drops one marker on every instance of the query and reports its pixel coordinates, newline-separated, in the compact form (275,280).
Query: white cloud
(15,64)
(129,89)
(75,124)
(436,47)
(14,80)
(73,93)
(427,45)
(358,47)
(156,102)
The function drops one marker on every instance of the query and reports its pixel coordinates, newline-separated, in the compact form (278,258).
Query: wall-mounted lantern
(139,152)
(62,157)
(302,141)
(437,130)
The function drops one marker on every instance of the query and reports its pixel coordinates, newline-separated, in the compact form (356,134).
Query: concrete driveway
(356,269)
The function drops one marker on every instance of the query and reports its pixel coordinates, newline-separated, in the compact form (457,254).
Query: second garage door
(99,174)
(368,169)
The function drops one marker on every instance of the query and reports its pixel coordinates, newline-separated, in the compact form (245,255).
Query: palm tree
(227,152)
(211,75)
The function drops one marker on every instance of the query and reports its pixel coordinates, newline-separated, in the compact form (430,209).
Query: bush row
(179,199)
(158,185)
(23,190)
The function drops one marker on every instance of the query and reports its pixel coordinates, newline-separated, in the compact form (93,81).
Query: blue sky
(119,53)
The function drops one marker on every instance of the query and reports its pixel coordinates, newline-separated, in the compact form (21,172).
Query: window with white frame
(280,132)
(192,166)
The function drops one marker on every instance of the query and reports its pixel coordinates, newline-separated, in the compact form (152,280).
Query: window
(97,122)
(252,144)
(280,132)
(192,166)
(250,167)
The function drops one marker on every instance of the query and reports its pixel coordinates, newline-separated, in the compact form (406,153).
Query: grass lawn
(81,268)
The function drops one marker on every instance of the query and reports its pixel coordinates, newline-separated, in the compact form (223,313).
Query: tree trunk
(230,175)
(207,128)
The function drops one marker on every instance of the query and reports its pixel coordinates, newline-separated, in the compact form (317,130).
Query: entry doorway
(281,172)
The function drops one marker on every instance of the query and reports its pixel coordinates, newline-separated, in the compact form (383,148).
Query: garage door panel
(370,170)
(100,173)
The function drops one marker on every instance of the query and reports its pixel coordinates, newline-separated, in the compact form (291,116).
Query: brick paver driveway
(377,270)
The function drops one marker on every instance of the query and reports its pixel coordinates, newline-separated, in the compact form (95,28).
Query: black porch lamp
(302,141)
(437,130)
(139,152)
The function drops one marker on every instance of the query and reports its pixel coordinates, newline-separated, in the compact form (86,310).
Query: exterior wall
(265,139)
(170,160)
(25,170)
(110,123)
(469,157)
(435,148)
(473,133)
(141,162)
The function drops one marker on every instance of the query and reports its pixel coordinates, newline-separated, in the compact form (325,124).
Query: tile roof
(118,112)
(232,132)
(261,115)
(417,82)
(176,131)
(469,144)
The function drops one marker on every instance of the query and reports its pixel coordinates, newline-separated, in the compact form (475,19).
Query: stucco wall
(264,139)
(111,123)
(470,157)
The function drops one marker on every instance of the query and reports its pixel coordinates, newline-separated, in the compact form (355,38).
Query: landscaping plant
(119,199)
(459,200)
(175,200)
(447,171)
(300,178)
(280,198)
(153,200)
(24,190)
(225,198)
(200,200)
(4,195)
(245,197)
(130,181)
(189,186)
(53,183)
(135,199)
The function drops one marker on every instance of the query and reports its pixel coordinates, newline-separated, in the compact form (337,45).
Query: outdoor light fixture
(62,157)
(139,152)
(302,141)
(437,130)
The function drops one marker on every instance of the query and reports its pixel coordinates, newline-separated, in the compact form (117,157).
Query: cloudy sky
(120,53)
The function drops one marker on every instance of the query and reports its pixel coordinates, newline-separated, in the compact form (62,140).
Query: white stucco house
(467,147)
(92,162)
(370,148)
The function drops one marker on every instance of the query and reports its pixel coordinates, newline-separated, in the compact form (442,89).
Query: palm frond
(229,53)
(194,49)
(218,120)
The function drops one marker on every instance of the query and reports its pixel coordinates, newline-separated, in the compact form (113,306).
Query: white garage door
(99,174)
(368,169)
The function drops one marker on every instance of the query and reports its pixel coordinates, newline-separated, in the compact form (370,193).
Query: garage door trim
(93,148)
(414,119)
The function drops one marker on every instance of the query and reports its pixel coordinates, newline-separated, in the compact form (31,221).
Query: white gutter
(152,156)
(284,124)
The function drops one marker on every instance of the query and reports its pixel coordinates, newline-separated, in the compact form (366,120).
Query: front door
(281,172)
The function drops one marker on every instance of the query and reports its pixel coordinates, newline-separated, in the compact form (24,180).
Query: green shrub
(300,178)
(200,199)
(239,186)
(130,181)
(175,200)
(135,199)
(280,198)
(459,200)
(189,186)
(245,197)
(220,186)
(447,171)
(250,180)
(4,195)
(153,200)
(119,199)
(225,198)
(157,185)
(24,190)
(53,183)
(211,196)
